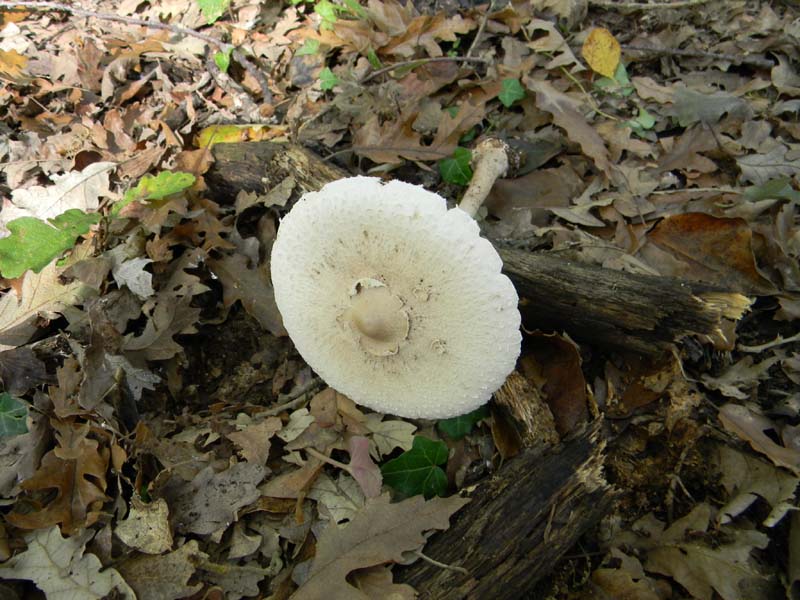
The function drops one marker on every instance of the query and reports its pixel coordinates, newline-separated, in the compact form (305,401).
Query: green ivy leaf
(34,243)
(417,471)
(457,427)
(511,91)
(355,9)
(213,9)
(327,12)
(223,59)
(327,79)
(310,46)
(13,415)
(156,187)
(457,170)
(644,122)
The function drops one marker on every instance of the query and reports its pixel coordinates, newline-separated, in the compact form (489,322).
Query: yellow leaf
(601,50)
(229,134)
(11,65)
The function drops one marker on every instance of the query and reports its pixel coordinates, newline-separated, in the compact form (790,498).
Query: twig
(422,62)
(778,341)
(481,27)
(177,29)
(646,5)
(595,106)
(750,60)
(441,565)
(289,401)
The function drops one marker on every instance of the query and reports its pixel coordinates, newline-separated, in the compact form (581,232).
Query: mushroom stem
(490,161)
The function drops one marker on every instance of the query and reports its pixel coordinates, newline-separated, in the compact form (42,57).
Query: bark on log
(519,523)
(640,313)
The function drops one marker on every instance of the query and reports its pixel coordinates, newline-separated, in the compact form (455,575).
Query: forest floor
(161,438)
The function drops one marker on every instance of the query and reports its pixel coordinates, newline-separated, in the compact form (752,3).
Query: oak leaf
(59,568)
(77,470)
(378,534)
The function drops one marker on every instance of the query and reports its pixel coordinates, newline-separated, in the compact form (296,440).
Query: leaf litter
(150,396)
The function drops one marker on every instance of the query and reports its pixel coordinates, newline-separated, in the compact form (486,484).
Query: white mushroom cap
(394,300)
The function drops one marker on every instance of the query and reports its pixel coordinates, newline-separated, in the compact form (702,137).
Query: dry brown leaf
(424,32)
(251,286)
(146,528)
(164,577)
(77,470)
(750,427)
(554,364)
(378,534)
(566,114)
(376,583)
(714,250)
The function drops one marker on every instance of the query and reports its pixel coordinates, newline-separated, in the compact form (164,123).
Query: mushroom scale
(394,300)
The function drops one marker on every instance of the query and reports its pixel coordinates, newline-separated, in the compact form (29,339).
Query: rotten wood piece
(518,524)
(640,313)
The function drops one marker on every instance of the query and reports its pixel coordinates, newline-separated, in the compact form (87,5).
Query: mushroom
(394,300)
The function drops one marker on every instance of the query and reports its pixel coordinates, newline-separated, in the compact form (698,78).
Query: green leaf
(457,427)
(355,8)
(511,92)
(223,59)
(417,471)
(778,189)
(149,187)
(373,59)
(309,47)
(327,11)
(213,9)
(457,169)
(619,85)
(327,79)
(644,122)
(34,243)
(13,415)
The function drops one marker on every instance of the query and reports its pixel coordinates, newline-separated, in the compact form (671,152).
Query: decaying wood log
(518,524)
(640,313)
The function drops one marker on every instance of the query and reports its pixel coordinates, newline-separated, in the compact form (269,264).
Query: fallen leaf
(554,365)
(376,584)
(252,287)
(163,577)
(80,190)
(172,316)
(714,250)
(361,467)
(378,534)
(146,528)
(761,168)
(62,569)
(566,114)
(387,435)
(342,497)
(76,468)
(741,378)
(747,478)
(691,106)
(727,569)
(602,51)
(750,427)
(209,503)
